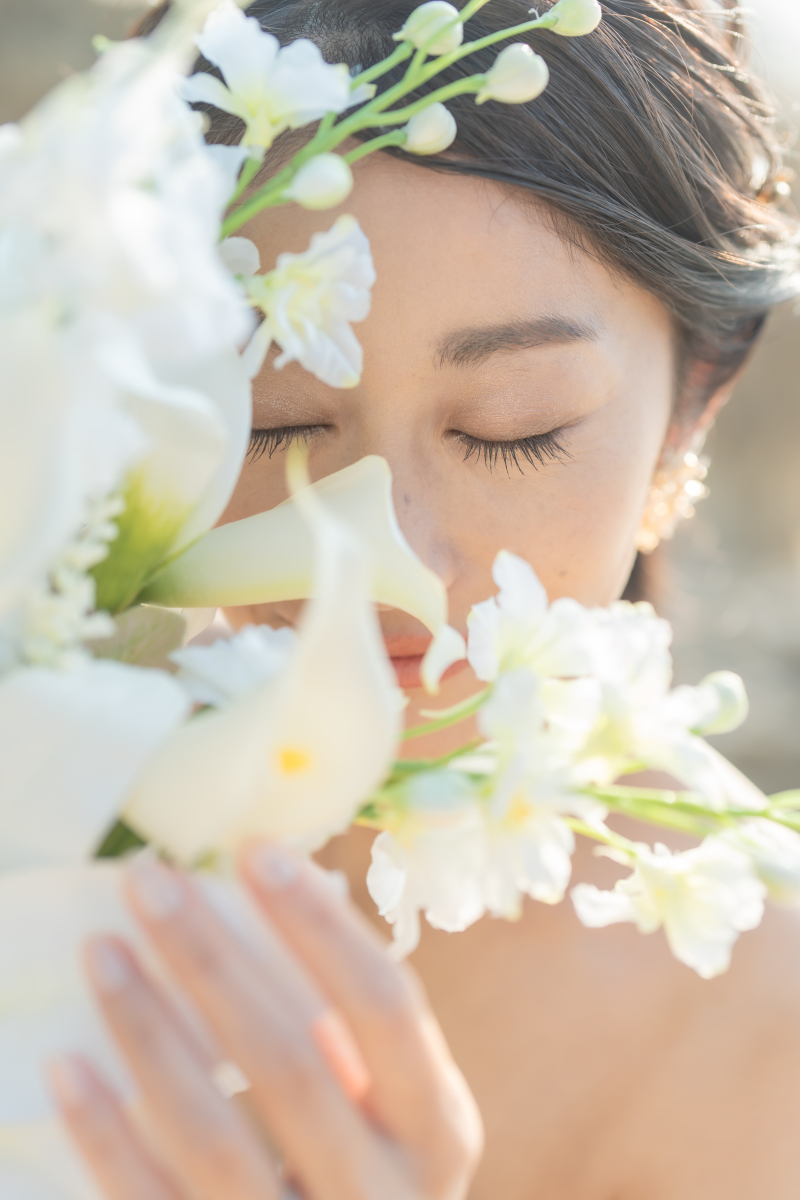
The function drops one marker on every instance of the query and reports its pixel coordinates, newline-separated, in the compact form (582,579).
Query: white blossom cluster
(579,697)
(127,344)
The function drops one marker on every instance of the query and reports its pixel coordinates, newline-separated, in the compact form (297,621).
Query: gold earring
(676,488)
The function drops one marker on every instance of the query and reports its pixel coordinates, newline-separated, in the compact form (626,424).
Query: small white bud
(518,75)
(728,703)
(323,182)
(430,131)
(575,17)
(424,23)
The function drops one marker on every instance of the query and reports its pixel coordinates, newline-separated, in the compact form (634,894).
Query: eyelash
(537,450)
(267,441)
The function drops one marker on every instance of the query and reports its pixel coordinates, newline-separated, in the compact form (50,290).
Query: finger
(418,1094)
(206,1141)
(104,1135)
(262,1007)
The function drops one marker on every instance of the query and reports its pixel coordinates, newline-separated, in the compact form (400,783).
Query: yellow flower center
(292,760)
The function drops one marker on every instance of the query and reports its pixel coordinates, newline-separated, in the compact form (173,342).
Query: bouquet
(128,339)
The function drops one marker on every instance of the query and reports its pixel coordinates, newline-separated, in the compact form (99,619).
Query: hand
(350,1078)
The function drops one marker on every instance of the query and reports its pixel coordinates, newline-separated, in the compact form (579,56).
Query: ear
(687,426)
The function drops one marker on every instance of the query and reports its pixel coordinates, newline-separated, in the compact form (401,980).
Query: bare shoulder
(718,1115)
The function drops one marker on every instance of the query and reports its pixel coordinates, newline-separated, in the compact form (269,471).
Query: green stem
(600,834)
(330,135)
(395,137)
(403,51)
(248,174)
(451,716)
(410,766)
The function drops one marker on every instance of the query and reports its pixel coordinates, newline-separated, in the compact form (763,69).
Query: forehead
(457,252)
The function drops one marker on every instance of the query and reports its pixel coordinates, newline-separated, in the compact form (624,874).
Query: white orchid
(270,557)
(268,87)
(305,734)
(704,898)
(308,302)
(516,76)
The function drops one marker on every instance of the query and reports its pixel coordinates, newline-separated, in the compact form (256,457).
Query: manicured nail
(109,965)
(272,867)
(340,1050)
(70,1080)
(157,889)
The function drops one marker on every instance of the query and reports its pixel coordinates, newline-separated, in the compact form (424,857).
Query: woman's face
(519,391)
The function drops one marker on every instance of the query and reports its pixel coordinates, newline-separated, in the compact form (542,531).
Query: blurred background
(731,576)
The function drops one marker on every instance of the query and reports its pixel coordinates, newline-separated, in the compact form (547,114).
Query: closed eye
(267,441)
(537,449)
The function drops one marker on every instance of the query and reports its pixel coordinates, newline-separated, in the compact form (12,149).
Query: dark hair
(650,146)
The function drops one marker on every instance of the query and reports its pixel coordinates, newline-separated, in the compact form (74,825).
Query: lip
(406,652)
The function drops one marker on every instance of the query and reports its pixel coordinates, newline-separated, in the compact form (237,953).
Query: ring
(229,1079)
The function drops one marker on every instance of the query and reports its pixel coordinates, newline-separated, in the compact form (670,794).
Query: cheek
(575,522)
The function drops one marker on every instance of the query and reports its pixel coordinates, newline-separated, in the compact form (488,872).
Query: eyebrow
(465,347)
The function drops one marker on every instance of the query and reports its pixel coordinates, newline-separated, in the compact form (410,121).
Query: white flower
(517,627)
(575,17)
(704,898)
(435,26)
(45,915)
(118,324)
(430,131)
(228,566)
(301,742)
(718,704)
(774,852)
(322,182)
(308,302)
(516,76)
(229,668)
(269,88)
(72,743)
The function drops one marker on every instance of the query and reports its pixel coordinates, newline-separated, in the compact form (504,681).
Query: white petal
(596,908)
(240,255)
(244,52)
(447,647)
(71,745)
(296,756)
(229,566)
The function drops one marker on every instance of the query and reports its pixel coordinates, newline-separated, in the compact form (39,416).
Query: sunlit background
(732,586)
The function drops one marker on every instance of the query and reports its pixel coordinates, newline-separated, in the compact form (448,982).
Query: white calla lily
(72,743)
(296,754)
(197,430)
(115,311)
(270,88)
(270,556)
(48,1008)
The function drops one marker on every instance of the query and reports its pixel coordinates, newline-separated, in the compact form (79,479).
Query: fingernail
(157,889)
(109,965)
(272,867)
(70,1080)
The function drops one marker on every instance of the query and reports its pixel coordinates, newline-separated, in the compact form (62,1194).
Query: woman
(563,304)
